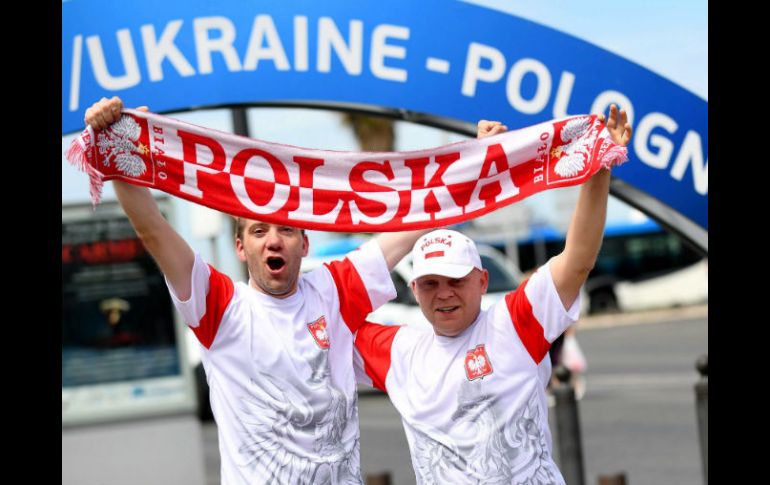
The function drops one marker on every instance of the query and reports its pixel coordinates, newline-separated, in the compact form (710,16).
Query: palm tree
(374,134)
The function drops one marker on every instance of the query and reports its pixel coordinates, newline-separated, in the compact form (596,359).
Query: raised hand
(103,113)
(488,128)
(620,129)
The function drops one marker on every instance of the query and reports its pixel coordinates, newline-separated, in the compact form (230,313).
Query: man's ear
(484,281)
(305,244)
(239,250)
(413,286)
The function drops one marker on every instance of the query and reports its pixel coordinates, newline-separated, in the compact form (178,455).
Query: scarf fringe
(76,156)
(617,155)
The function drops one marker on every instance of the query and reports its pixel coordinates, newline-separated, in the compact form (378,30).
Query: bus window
(629,252)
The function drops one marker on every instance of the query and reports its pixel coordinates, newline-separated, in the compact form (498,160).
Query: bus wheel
(603,301)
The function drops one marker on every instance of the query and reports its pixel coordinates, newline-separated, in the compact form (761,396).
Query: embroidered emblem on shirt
(318,331)
(477,364)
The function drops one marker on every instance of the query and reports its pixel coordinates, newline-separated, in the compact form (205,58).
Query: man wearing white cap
(471,393)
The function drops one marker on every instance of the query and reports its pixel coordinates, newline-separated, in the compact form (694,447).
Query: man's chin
(281,291)
(446,332)
(451,319)
(277,289)
(449,327)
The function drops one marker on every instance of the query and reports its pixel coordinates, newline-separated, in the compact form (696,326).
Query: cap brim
(443,269)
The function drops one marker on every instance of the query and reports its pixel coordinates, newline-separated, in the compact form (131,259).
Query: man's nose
(274,240)
(444,292)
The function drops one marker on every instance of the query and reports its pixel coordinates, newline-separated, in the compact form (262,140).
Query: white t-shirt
(282,387)
(474,406)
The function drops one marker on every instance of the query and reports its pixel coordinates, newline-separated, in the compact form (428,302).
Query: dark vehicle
(631,251)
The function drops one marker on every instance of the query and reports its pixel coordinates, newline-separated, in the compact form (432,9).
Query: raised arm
(396,245)
(172,253)
(570,268)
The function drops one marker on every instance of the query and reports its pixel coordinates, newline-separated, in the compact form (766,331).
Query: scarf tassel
(617,155)
(76,156)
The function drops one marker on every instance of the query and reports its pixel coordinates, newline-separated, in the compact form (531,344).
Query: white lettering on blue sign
(690,153)
(300,44)
(349,54)
(473,71)
(542,93)
(156,51)
(205,44)
(77,56)
(263,31)
(381,49)
(127,55)
(485,66)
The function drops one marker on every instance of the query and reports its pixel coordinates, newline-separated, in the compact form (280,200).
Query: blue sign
(443,58)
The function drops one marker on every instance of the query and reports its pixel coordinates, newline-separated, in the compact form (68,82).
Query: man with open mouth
(277,351)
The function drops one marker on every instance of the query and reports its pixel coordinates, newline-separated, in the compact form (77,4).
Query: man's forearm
(586,230)
(396,245)
(140,207)
(584,238)
(170,251)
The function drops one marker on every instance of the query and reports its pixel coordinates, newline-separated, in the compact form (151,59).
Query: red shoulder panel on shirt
(219,296)
(354,299)
(528,328)
(374,342)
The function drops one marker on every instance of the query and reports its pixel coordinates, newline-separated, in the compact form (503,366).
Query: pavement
(643,317)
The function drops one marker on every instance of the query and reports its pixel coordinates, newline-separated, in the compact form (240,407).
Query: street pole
(568,429)
(702,409)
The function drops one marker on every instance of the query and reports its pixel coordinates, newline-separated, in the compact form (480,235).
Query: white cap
(444,253)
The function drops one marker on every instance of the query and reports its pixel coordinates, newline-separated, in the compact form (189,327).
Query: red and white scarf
(343,191)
